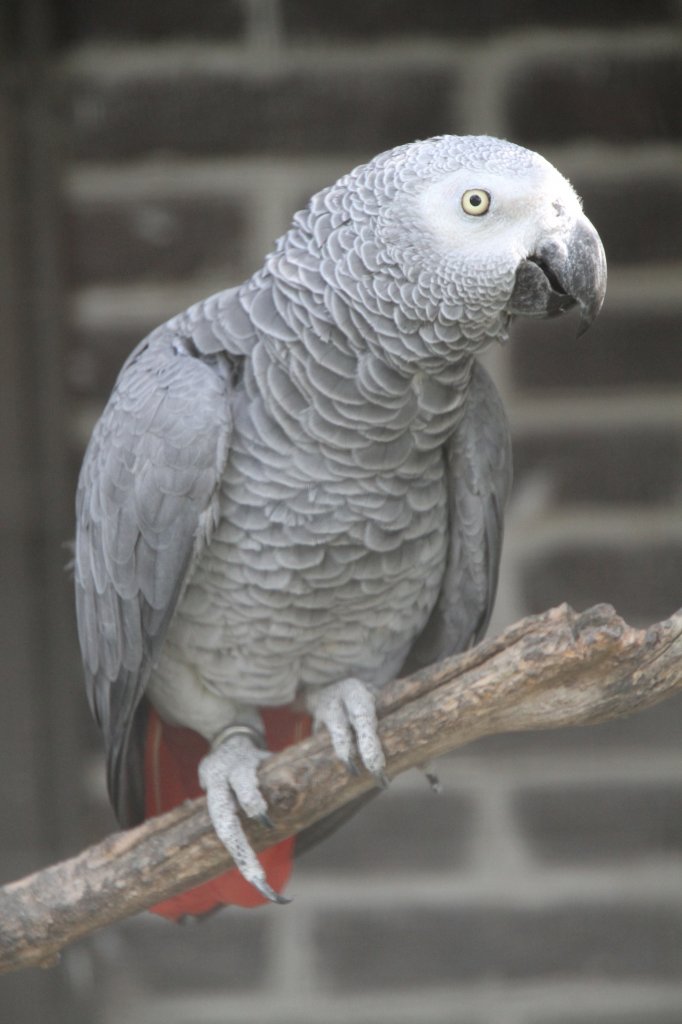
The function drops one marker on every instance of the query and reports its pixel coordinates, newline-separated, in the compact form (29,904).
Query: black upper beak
(560,275)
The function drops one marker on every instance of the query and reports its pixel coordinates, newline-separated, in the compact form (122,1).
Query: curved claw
(434,782)
(229,777)
(432,778)
(272,894)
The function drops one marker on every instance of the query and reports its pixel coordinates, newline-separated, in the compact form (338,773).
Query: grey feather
(302,479)
(151,469)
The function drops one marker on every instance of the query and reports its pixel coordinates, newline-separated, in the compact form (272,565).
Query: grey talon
(279,898)
(268,892)
(434,782)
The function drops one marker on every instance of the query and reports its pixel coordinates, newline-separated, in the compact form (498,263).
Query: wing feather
(479,474)
(150,472)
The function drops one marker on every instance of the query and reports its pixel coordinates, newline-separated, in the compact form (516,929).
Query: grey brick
(78,21)
(639,217)
(155,239)
(96,355)
(397,832)
(11,29)
(374,19)
(647,1017)
(638,464)
(642,580)
(616,98)
(227,951)
(574,824)
(401,949)
(634,347)
(354,1015)
(324,111)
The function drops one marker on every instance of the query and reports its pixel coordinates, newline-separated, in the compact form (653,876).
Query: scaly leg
(229,775)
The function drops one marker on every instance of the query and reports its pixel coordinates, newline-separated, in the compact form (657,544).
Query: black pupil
(475,200)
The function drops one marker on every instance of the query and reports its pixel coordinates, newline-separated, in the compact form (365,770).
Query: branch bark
(555,669)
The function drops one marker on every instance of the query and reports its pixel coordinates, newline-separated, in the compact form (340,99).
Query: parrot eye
(476,201)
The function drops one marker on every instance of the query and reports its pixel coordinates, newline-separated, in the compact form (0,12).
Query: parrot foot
(347,709)
(229,776)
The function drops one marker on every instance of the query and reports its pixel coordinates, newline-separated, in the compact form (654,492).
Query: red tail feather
(172,756)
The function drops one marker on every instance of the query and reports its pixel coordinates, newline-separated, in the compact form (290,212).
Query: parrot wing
(479,474)
(145,507)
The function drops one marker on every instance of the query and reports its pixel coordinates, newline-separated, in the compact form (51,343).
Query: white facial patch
(522,209)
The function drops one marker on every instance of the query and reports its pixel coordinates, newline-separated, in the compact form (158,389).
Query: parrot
(296,490)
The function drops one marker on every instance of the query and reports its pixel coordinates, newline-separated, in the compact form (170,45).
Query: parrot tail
(172,755)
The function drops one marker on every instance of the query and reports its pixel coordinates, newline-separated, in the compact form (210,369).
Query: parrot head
(478,230)
(527,218)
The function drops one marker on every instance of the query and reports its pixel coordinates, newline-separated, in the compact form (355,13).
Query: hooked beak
(560,275)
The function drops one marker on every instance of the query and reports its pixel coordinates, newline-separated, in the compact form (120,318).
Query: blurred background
(150,153)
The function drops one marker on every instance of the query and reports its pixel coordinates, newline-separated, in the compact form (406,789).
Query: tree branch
(555,669)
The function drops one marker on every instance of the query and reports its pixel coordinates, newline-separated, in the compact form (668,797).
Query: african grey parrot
(296,489)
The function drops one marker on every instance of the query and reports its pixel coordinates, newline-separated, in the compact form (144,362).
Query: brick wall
(544,886)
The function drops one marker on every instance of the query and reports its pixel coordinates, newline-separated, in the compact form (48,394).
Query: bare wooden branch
(550,670)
